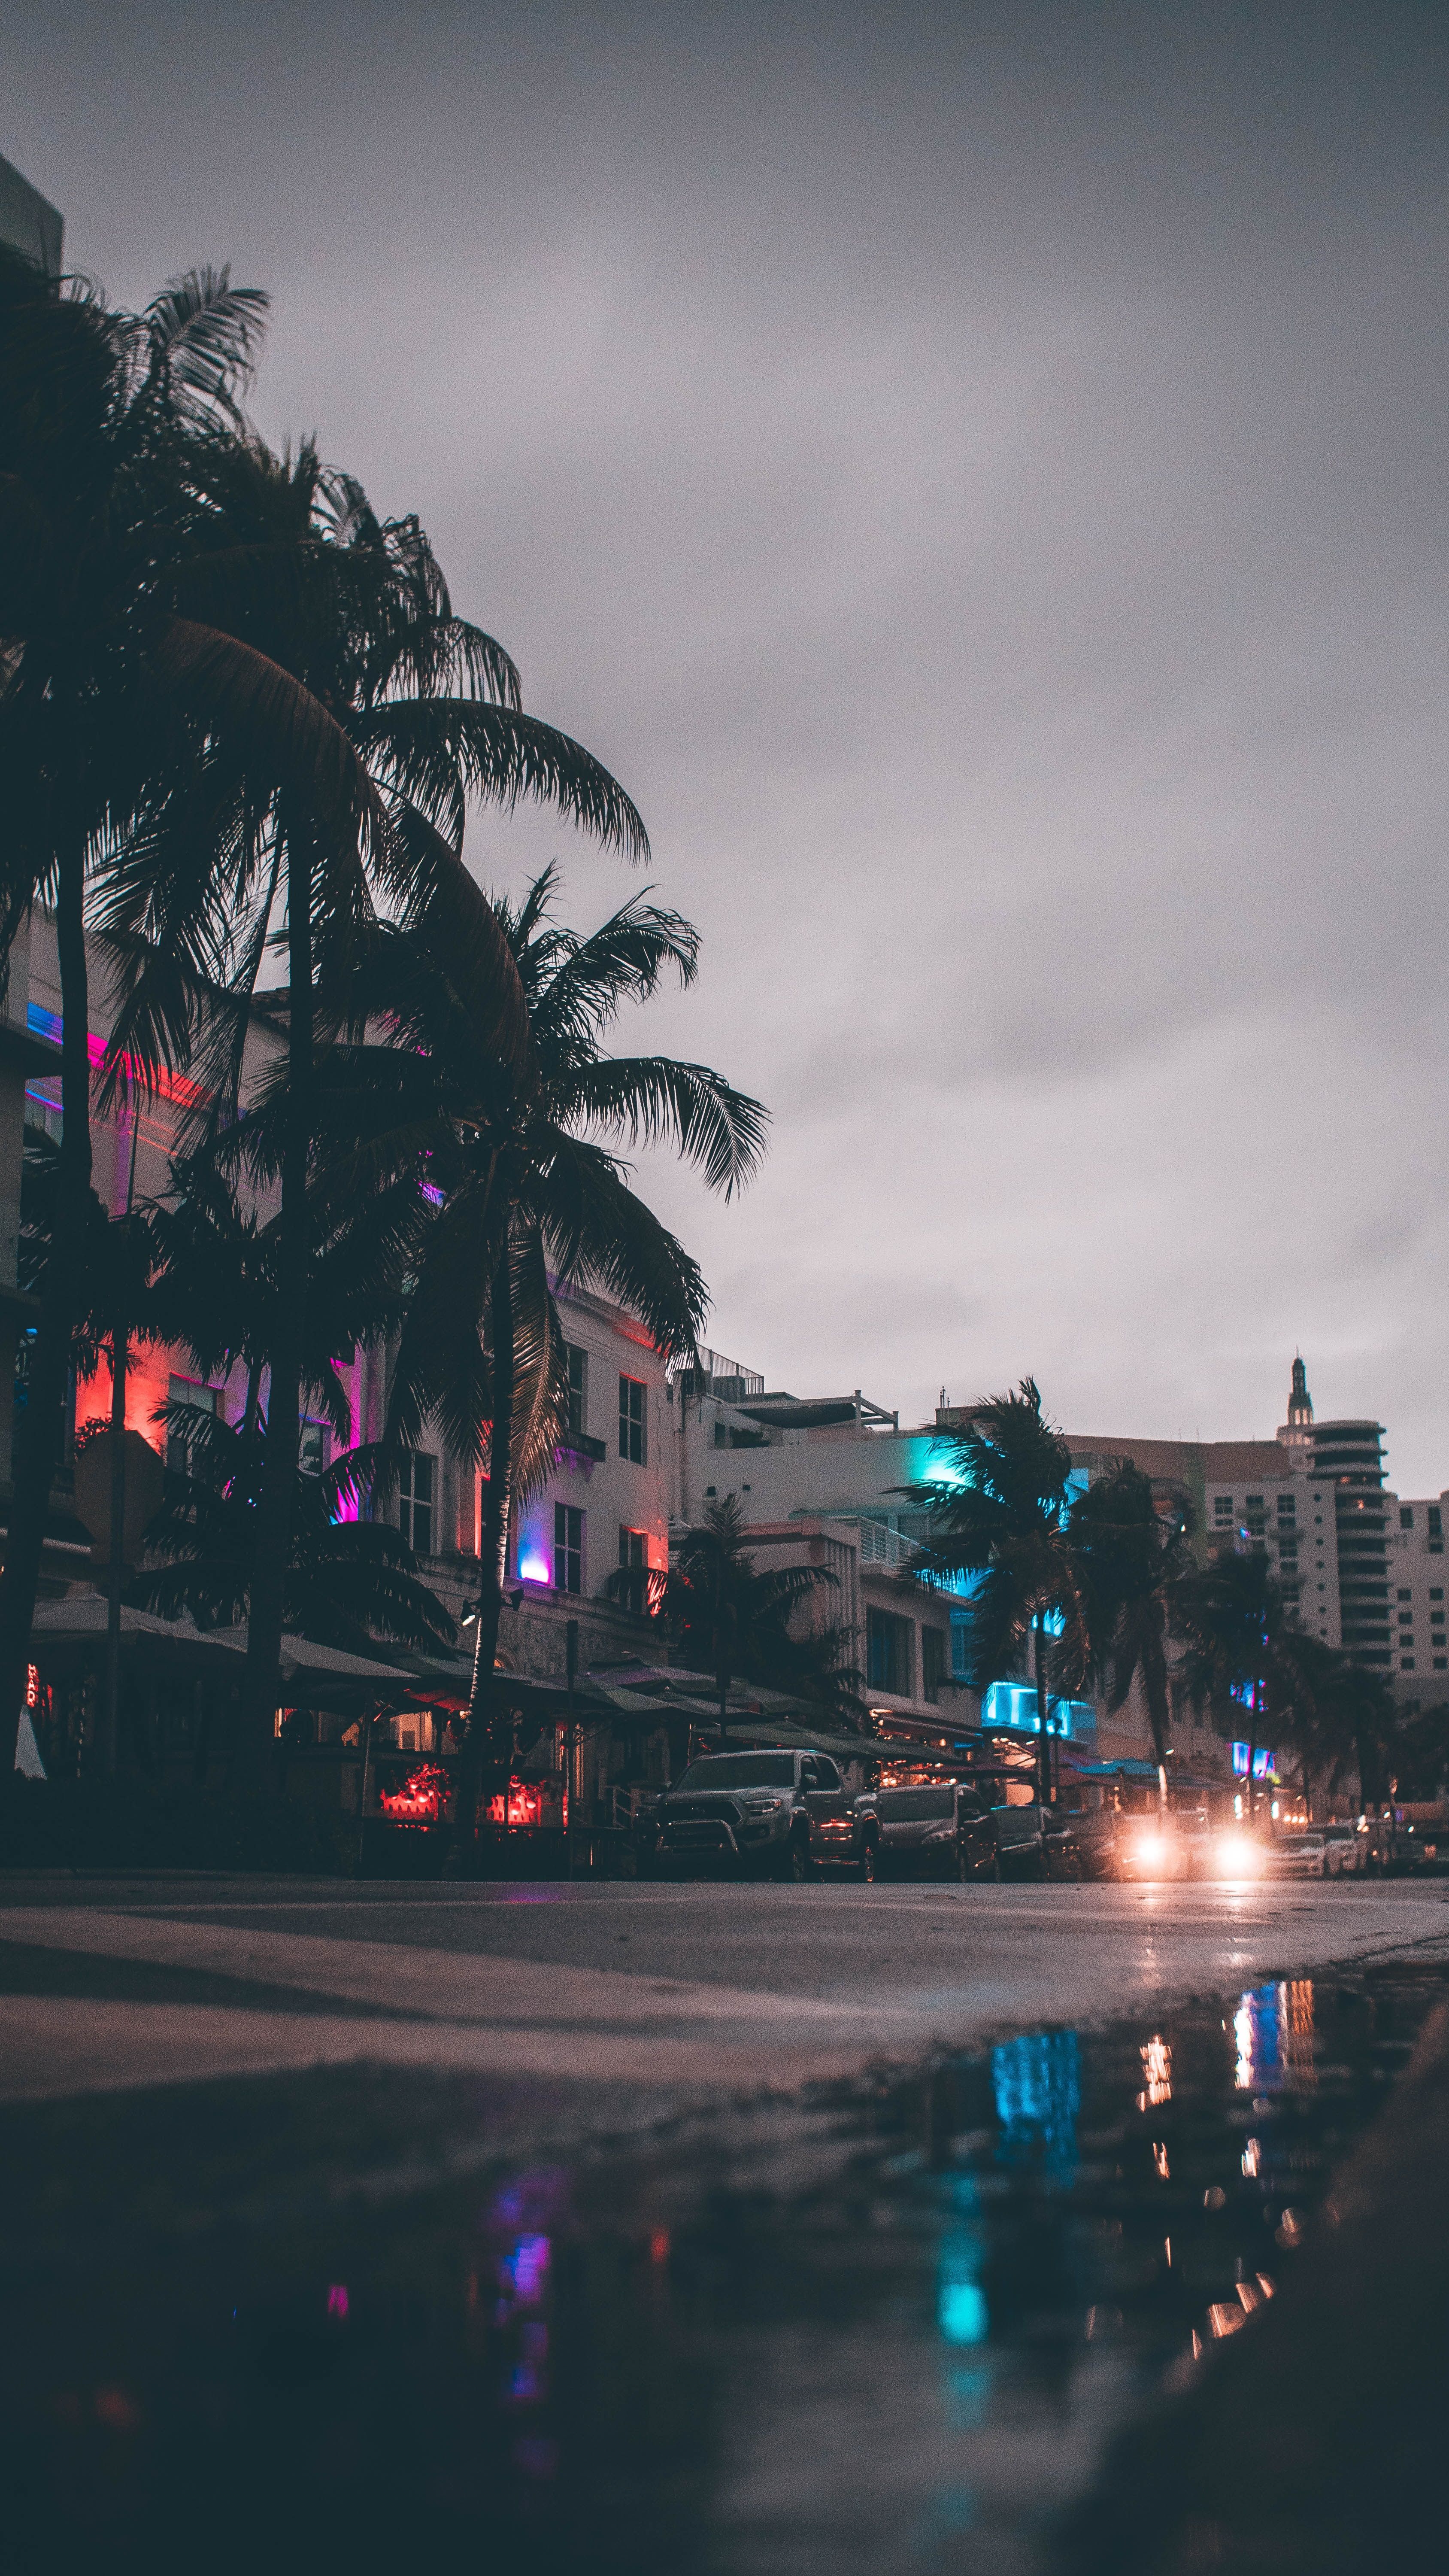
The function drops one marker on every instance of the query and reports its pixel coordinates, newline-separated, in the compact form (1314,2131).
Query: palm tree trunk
(277,1500)
(40,1431)
(116,1569)
(483,1756)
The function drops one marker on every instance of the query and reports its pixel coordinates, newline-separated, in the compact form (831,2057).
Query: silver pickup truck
(779,1814)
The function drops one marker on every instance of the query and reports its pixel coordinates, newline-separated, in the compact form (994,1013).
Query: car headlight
(1154,1851)
(762,1806)
(1237,1856)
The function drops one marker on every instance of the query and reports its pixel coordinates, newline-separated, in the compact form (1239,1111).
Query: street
(107,1985)
(745,2230)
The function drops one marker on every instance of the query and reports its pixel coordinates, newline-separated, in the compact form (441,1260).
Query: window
(1287,1508)
(1406,1618)
(818,1772)
(1223,1510)
(1436,1618)
(1406,1516)
(1441,1663)
(1436,1591)
(311,1455)
(578,1365)
(1255,1511)
(633,1559)
(568,1548)
(960,1645)
(180,1450)
(1406,1596)
(415,1502)
(1435,1513)
(933,1662)
(1406,1663)
(888,1651)
(632,1438)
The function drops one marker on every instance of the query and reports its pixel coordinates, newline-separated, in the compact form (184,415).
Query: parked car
(782,1814)
(1037,1842)
(1347,1850)
(1301,1856)
(939,1829)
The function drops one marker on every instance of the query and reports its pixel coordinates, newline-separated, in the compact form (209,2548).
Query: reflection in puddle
(910,2360)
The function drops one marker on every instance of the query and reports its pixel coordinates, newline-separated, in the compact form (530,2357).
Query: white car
(1301,1856)
(1347,1850)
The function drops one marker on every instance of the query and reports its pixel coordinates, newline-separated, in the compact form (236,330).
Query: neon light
(522,1806)
(421,1801)
(1013,1704)
(1264,1762)
(164,1084)
(961,2312)
(533,1564)
(524,2269)
(337,2299)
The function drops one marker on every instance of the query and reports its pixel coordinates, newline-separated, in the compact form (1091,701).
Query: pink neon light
(167,1086)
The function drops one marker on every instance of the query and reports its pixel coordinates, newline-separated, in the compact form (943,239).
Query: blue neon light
(1013,1704)
(1264,1762)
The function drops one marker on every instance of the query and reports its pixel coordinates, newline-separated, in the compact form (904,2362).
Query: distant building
(28,221)
(818,1470)
(820,1479)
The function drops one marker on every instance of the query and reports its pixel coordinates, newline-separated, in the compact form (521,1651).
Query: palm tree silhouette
(998,1513)
(522,1176)
(426,710)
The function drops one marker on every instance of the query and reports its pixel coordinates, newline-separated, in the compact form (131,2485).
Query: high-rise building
(28,221)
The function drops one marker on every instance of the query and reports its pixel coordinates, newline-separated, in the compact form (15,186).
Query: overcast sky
(977,476)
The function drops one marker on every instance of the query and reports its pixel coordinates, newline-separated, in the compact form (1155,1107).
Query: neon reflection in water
(521,2222)
(961,2310)
(1037,2084)
(1273,2036)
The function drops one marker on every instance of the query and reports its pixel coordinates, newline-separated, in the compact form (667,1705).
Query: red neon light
(524,1805)
(421,1800)
(165,1085)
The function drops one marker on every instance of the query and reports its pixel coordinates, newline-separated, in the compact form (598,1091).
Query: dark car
(779,1813)
(1037,1842)
(940,1829)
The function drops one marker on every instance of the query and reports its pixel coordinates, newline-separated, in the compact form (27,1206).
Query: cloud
(975,475)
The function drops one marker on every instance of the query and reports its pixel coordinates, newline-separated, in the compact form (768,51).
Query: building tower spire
(1296,1434)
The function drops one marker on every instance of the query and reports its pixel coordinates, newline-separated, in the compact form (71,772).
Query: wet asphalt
(677,1989)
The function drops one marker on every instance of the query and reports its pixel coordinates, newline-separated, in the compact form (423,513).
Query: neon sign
(1264,1762)
(421,1800)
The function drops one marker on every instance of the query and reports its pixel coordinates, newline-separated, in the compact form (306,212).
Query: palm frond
(654,1100)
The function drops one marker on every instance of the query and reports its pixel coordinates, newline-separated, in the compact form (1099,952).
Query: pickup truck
(775,1813)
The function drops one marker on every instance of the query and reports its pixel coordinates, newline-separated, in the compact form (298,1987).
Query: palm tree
(1133,1565)
(349,1582)
(998,1512)
(1342,1719)
(356,610)
(1246,1658)
(524,1181)
(730,1619)
(99,411)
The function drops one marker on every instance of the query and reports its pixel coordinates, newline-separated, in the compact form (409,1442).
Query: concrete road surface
(110,1985)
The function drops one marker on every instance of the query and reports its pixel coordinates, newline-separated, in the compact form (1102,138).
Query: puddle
(899,2343)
